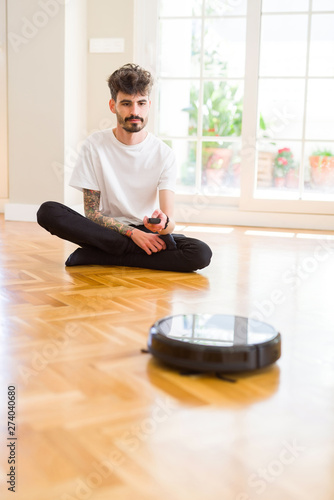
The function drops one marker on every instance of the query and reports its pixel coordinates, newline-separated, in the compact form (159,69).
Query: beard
(131,127)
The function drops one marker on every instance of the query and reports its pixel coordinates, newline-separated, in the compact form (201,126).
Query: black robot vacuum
(214,343)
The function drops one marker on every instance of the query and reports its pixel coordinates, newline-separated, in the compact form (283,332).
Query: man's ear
(112,106)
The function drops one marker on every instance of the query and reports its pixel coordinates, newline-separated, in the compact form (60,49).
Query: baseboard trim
(207,215)
(21,212)
(3,202)
(27,213)
(230,216)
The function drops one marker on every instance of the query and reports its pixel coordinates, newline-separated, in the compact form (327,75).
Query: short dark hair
(130,79)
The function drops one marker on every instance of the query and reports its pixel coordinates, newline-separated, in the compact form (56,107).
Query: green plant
(322,152)
(222,110)
(283,162)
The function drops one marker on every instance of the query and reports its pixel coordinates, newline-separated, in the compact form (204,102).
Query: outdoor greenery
(222,110)
(322,152)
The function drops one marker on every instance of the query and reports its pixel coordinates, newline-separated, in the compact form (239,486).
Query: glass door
(294,146)
(246,99)
(201,71)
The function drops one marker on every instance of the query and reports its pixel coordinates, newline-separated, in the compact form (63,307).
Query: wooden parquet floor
(97,419)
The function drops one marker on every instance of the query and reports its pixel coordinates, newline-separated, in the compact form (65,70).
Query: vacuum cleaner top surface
(214,342)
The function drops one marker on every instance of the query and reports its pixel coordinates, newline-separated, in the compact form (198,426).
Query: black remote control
(154,220)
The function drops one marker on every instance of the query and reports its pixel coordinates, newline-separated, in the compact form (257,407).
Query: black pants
(103,246)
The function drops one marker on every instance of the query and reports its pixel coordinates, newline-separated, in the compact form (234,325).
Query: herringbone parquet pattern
(98,419)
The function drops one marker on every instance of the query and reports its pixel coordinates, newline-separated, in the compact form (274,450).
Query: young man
(124,174)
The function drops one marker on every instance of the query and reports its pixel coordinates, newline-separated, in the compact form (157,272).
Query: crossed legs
(103,246)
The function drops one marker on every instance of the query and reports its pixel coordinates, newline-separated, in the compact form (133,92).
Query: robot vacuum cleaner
(214,343)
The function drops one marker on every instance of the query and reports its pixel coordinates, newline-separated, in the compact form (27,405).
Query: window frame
(248,209)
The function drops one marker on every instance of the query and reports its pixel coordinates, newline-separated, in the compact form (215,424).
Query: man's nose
(134,109)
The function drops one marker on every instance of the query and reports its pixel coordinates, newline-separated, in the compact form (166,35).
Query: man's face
(131,111)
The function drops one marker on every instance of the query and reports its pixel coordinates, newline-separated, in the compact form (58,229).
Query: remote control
(154,220)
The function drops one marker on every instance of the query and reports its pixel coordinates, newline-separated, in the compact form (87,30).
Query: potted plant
(222,117)
(284,164)
(322,168)
(216,163)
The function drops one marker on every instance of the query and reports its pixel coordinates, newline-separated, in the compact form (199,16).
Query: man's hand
(156,228)
(149,242)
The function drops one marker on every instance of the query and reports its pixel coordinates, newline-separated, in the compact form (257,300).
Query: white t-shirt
(128,177)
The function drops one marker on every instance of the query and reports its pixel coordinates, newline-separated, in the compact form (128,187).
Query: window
(201,80)
(245,98)
(296,82)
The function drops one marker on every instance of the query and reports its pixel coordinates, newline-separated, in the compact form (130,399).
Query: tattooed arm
(150,243)
(92,212)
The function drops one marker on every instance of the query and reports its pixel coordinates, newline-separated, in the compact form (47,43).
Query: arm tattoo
(92,212)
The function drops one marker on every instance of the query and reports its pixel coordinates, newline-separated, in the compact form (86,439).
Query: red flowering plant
(283,162)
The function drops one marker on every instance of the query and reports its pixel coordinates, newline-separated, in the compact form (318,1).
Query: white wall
(75,118)
(3,108)
(106,19)
(35,100)
(57,92)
